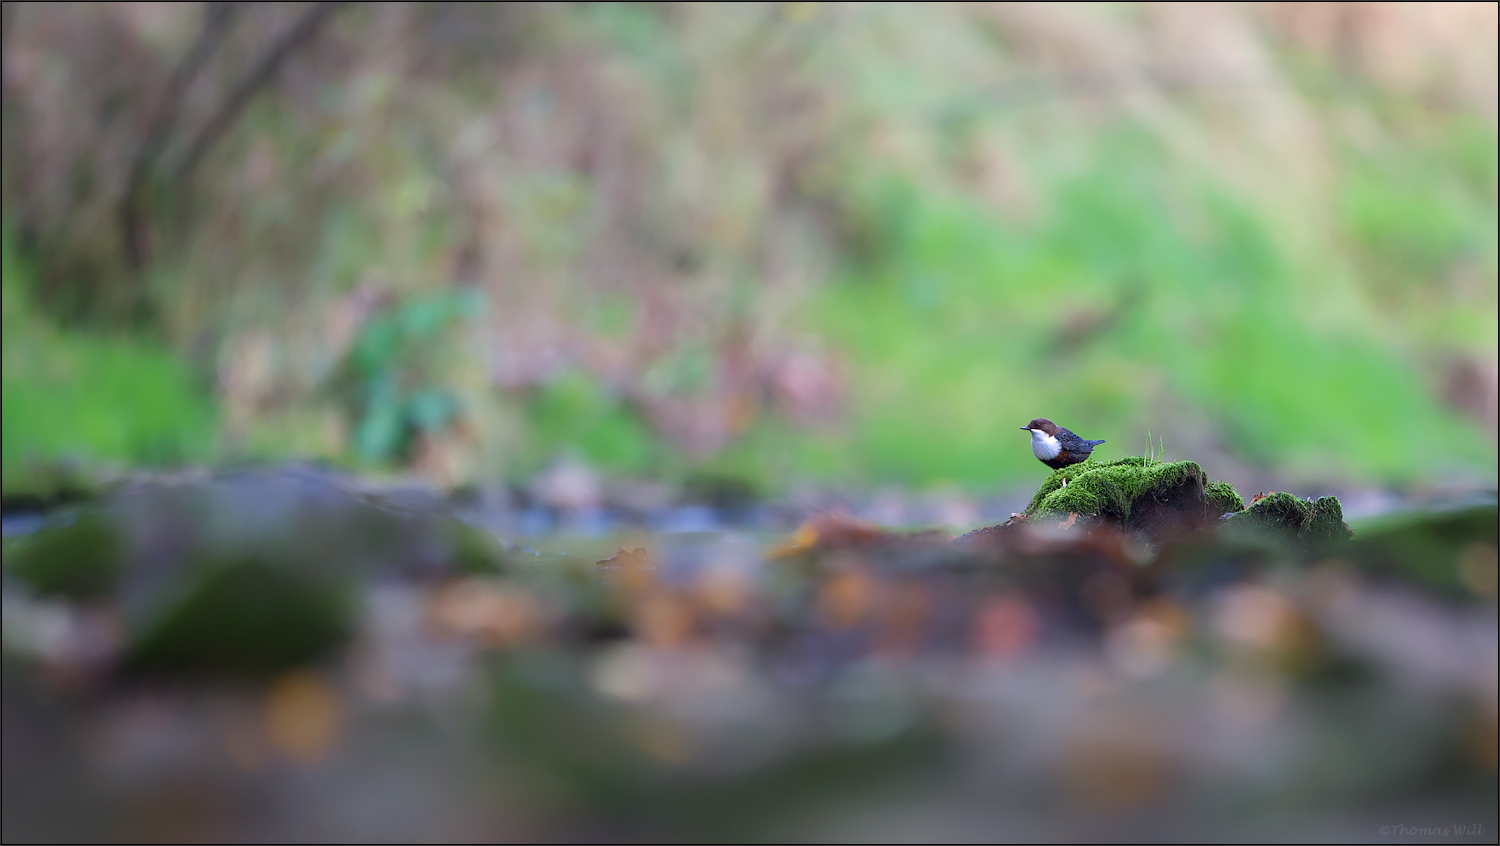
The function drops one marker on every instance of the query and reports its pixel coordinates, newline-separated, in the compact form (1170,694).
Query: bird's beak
(1025,429)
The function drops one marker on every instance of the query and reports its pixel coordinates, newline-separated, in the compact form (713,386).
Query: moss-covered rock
(1169,499)
(1310,524)
(1325,525)
(1223,498)
(1159,499)
(83,559)
(244,617)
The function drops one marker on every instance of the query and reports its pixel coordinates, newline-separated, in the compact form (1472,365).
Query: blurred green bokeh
(780,242)
(74,398)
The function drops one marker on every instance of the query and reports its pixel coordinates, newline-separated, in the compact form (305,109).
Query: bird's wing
(1073,442)
(1068,439)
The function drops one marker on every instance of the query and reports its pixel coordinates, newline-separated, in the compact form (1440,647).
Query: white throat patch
(1043,445)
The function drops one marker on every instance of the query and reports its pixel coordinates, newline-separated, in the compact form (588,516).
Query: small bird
(1057,447)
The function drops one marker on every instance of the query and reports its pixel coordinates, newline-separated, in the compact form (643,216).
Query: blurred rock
(568,484)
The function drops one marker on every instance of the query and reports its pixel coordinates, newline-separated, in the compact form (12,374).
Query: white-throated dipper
(1057,447)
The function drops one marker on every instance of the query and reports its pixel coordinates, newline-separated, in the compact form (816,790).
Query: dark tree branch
(217,20)
(256,78)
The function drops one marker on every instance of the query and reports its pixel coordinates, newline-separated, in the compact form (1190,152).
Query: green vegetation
(74,399)
(752,245)
(398,371)
(960,307)
(577,414)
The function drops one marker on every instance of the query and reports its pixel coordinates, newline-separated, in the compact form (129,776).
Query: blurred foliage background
(798,242)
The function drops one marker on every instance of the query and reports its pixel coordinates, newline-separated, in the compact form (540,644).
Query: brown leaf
(633,566)
(1068,523)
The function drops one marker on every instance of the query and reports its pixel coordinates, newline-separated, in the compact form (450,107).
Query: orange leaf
(634,566)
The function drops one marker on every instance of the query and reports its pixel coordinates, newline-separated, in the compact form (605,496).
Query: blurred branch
(217,20)
(255,79)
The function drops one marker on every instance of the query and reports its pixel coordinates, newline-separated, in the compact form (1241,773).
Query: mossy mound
(1170,499)
(245,617)
(1310,524)
(1223,498)
(1108,488)
(1159,499)
(81,560)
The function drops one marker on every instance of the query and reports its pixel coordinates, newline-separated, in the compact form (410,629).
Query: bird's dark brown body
(1066,458)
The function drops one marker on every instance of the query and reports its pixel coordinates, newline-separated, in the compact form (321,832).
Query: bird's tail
(1093,443)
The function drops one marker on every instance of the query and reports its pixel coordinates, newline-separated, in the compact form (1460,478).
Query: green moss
(249,617)
(475,552)
(1223,498)
(1165,499)
(82,560)
(1325,525)
(1278,513)
(1054,482)
(1109,489)
(1305,523)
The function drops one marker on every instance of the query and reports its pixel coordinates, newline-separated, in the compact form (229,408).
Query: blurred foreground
(293,655)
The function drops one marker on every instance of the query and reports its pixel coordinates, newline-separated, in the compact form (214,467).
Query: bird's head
(1042,425)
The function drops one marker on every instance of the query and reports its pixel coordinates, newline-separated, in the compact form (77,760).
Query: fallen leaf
(635,569)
